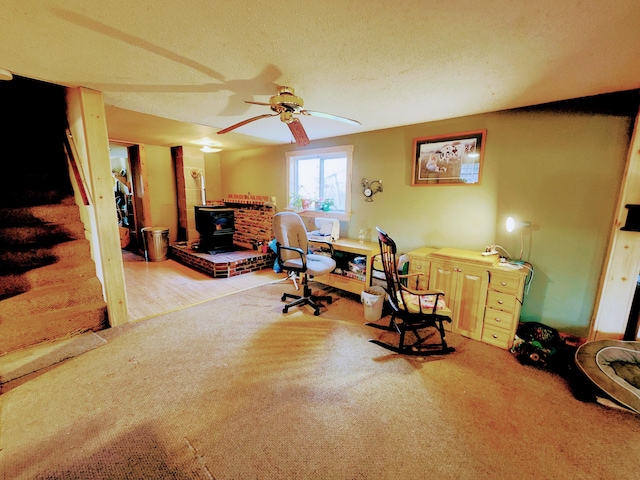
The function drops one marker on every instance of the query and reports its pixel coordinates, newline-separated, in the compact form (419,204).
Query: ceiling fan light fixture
(209,149)
(286,104)
(286,97)
(286,116)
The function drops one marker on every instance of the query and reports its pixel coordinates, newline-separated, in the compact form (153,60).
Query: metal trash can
(373,300)
(156,243)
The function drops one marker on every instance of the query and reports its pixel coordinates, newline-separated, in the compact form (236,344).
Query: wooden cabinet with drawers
(420,262)
(463,277)
(484,297)
(504,301)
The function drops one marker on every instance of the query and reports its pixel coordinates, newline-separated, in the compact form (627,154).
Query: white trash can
(373,300)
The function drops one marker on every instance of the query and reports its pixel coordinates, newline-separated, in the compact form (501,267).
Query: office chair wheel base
(283,298)
(316,312)
(285,310)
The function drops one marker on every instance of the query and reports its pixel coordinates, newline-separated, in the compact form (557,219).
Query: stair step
(19,333)
(48,298)
(75,248)
(15,263)
(41,226)
(19,262)
(39,236)
(58,273)
(62,212)
(17,197)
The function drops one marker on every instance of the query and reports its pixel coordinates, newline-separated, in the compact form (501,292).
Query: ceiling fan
(286,104)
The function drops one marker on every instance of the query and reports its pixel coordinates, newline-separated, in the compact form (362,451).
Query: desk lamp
(514,224)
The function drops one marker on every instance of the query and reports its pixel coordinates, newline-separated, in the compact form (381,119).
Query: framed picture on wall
(454,159)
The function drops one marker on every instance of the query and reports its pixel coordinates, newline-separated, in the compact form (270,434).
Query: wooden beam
(89,129)
(622,264)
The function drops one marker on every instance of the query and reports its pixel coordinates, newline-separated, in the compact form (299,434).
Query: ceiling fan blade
(258,103)
(297,130)
(330,117)
(244,122)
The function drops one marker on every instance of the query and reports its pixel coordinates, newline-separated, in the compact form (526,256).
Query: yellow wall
(193,162)
(560,170)
(163,195)
(162,189)
(212,176)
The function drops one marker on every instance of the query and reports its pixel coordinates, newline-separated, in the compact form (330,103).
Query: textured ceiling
(384,63)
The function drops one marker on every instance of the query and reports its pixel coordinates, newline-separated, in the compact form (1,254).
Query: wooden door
(419,265)
(471,297)
(442,276)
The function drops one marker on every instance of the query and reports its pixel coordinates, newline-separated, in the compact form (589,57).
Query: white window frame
(347,151)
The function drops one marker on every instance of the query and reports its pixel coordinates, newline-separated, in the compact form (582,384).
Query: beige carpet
(233,389)
(22,363)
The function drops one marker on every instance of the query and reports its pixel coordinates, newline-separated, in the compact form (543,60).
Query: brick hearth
(224,264)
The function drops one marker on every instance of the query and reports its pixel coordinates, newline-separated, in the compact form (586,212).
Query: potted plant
(296,201)
(326,204)
(299,202)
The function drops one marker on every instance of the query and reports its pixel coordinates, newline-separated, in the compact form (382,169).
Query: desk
(345,251)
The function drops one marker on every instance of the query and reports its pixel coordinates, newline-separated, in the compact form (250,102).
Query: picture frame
(454,159)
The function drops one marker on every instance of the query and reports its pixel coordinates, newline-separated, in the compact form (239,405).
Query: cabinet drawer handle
(497,319)
(495,335)
(500,302)
(504,284)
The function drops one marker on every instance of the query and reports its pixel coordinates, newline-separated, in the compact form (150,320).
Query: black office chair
(293,255)
(417,311)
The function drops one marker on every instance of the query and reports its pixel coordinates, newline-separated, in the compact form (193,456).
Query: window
(321,177)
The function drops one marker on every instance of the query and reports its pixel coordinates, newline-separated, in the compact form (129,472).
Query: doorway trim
(622,263)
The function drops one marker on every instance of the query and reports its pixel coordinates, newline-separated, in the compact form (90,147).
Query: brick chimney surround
(253,218)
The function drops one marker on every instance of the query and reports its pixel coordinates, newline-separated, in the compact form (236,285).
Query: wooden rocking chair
(421,312)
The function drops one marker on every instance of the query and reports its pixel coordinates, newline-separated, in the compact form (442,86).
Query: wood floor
(154,288)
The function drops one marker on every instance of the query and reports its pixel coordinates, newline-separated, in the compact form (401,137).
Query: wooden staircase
(48,284)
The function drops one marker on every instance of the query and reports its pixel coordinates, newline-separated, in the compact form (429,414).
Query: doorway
(121,172)
(129,188)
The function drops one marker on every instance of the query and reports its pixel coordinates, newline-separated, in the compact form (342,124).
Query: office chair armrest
(325,243)
(299,251)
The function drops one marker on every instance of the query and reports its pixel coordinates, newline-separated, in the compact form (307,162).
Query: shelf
(345,253)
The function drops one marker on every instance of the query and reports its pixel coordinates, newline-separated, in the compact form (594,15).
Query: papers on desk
(512,266)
